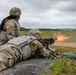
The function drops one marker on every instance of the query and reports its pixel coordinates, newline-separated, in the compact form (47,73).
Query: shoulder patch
(8,27)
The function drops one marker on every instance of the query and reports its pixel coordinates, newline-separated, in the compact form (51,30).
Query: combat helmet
(35,32)
(15,11)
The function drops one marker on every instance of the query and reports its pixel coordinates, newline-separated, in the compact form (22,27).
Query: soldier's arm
(11,30)
(44,52)
(37,46)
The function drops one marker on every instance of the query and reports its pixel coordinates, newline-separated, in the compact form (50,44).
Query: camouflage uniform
(19,49)
(11,27)
(12,30)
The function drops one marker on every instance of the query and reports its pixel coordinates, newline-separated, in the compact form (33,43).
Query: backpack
(22,44)
(3,22)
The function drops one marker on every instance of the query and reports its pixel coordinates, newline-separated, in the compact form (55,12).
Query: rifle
(50,41)
(46,42)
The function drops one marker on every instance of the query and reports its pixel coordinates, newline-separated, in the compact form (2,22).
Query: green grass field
(61,66)
(52,33)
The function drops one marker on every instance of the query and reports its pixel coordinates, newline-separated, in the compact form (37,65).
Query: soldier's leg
(8,57)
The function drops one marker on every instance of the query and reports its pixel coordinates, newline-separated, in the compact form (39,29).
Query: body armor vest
(22,44)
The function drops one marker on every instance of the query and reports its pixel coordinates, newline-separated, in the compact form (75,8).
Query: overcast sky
(42,13)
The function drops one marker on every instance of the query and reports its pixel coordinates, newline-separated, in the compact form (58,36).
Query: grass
(56,68)
(23,33)
(48,34)
(64,66)
(62,49)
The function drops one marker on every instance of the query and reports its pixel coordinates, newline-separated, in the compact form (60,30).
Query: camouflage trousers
(3,38)
(8,57)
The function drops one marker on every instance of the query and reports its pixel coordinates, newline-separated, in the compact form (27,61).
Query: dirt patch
(66,44)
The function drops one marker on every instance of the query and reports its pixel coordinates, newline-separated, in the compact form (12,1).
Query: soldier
(21,48)
(10,27)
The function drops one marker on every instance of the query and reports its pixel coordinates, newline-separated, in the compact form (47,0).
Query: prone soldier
(21,48)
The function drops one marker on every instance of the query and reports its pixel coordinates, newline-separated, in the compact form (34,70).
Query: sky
(37,14)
